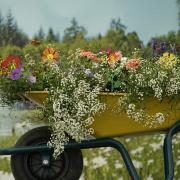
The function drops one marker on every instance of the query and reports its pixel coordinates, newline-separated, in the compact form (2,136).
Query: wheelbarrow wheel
(30,166)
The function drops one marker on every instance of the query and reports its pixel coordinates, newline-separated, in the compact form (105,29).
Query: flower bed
(75,81)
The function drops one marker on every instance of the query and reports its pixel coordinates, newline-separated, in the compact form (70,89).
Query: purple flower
(15,74)
(31,79)
(173,48)
(163,46)
(154,44)
(89,73)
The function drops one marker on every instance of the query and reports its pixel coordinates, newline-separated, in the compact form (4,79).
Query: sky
(147,17)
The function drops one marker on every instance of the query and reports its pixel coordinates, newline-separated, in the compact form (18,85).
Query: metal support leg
(96,143)
(168,155)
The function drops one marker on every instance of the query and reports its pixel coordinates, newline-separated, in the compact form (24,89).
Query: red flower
(11,62)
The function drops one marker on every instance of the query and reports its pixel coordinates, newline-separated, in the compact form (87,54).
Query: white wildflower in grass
(98,162)
(137,164)
(120,178)
(150,161)
(137,151)
(177,162)
(85,161)
(106,149)
(82,177)
(118,165)
(150,177)
(155,146)
(128,140)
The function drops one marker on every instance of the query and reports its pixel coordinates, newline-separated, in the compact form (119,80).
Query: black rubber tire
(70,162)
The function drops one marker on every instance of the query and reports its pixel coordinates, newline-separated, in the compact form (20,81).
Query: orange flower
(50,54)
(132,64)
(114,57)
(35,42)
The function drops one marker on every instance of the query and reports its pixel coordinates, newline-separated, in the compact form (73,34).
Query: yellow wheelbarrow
(32,160)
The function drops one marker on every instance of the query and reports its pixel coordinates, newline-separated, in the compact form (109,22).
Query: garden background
(104,163)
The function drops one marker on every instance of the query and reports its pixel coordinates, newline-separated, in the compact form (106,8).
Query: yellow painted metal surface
(112,123)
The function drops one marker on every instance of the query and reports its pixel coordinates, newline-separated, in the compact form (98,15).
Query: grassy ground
(106,163)
(146,153)
(7,141)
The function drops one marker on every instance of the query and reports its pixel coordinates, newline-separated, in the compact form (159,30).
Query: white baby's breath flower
(74,103)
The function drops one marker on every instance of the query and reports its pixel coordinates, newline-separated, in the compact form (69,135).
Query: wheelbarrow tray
(113,123)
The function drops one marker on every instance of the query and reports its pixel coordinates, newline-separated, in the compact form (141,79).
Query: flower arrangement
(74,82)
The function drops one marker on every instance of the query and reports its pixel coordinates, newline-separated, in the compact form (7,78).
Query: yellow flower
(50,54)
(168,60)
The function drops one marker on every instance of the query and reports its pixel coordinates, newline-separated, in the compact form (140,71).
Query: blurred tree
(118,39)
(117,25)
(51,36)
(1,28)
(11,34)
(99,36)
(79,42)
(40,35)
(133,41)
(178,3)
(71,32)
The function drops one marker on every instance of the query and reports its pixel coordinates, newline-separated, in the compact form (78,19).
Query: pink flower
(132,64)
(89,55)
(106,51)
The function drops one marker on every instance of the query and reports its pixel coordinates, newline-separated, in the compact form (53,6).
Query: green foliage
(10,50)
(10,33)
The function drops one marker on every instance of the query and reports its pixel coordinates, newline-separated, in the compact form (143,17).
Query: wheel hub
(43,166)
(45,162)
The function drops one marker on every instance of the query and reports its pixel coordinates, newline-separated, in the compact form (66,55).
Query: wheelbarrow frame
(107,142)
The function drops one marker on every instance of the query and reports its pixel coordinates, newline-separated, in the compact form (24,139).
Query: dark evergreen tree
(11,34)
(51,36)
(117,25)
(71,32)
(178,3)
(40,34)
(1,28)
